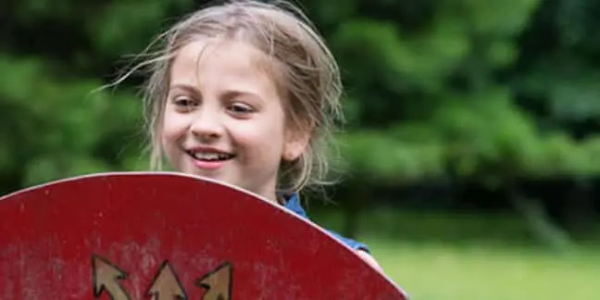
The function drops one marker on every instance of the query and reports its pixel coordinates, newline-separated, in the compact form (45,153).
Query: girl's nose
(207,124)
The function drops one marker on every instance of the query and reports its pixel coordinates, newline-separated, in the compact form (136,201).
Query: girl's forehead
(203,50)
(206,57)
(223,64)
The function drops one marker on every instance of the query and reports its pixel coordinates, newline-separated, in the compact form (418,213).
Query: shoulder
(293,203)
(355,245)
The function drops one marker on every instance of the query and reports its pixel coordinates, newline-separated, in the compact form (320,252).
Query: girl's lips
(208,165)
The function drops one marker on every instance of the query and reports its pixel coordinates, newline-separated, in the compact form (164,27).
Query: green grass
(445,272)
(436,256)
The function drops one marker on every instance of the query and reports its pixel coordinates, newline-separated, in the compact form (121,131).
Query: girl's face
(224,118)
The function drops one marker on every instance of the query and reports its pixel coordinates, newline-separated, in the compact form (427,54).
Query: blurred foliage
(464,89)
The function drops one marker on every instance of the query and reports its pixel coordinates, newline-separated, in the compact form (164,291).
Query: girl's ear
(297,142)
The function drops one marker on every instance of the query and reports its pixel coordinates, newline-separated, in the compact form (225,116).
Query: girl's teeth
(210,156)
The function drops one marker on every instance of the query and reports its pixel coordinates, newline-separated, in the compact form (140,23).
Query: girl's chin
(215,174)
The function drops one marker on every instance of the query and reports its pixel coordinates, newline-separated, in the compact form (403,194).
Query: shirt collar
(293,203)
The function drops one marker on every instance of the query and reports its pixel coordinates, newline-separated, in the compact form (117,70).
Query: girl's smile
(207,158)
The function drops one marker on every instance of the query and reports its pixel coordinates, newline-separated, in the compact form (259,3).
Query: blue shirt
(293,203)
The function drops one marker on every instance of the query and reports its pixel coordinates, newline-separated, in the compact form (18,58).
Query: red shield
(169,236)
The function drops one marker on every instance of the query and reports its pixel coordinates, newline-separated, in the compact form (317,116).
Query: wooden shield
(170,236)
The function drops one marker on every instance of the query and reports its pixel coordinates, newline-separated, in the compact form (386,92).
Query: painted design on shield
(107,278)
(217,283)
(165,284)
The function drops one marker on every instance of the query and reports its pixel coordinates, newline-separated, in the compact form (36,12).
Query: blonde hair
(310,83)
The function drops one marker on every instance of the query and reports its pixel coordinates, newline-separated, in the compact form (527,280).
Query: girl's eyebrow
(185,87)
(228,94)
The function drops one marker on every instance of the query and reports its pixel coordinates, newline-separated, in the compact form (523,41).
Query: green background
(472,148)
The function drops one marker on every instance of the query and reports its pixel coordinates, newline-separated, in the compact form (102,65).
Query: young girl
(246,93)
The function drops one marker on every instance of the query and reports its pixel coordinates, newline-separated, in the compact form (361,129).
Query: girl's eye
(184,103)
(239,108)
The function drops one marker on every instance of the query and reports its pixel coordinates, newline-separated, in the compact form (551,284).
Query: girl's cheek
(174,123)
